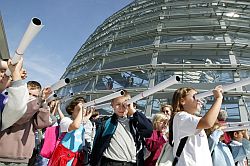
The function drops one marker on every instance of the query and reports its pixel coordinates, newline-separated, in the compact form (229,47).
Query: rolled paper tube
(51,97)
(100,106)
(60,84)
(225,88)
(104,98)
(236,128)
(170,81)
(232,124)
(34,27)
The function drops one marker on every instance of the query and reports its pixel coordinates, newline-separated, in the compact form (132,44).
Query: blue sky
(67,25)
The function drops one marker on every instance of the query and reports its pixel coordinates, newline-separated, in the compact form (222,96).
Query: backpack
(166,157)
(51,140)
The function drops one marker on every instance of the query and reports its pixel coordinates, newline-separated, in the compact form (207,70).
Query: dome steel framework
(205,42)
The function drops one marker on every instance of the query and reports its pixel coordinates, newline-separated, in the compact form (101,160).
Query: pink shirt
(154,145)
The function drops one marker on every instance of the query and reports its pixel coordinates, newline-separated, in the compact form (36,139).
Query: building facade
(205,42)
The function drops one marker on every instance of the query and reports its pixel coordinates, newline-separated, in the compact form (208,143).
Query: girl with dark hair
(69,150)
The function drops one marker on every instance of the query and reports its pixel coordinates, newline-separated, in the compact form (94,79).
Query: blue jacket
(140,128)
(240,150)
(220,152)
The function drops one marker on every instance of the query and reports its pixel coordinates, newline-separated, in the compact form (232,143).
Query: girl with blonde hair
(187,125)
(158,138)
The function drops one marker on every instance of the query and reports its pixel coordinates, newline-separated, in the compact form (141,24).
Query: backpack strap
(181,144)
(179,150)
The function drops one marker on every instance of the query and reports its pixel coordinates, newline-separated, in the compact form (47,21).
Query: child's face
(238,136)
(190,104)
(167,111)
(161,125)
(34,92)
(118,106)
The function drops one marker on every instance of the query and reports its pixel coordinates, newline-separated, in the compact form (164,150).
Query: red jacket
(61,156)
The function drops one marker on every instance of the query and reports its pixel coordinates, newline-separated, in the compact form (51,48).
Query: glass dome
(206,43)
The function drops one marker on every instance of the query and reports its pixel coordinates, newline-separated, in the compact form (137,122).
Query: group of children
(205,140)
(120,139)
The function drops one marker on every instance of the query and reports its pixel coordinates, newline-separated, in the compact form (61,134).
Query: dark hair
(176,100)
(73,103)
(95,114)
(231,133)
(34,85)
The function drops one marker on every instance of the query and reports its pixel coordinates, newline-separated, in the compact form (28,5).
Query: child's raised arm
(78,120)
(210,117)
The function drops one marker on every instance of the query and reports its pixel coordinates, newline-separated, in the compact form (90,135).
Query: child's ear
(235,134)
(182,101)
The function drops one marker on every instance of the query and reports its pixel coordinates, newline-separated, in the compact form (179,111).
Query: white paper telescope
(236,126)
(104,98)
(225,88)
(100,106)
(34,27)
(168,82)
(60,84)
(51,97)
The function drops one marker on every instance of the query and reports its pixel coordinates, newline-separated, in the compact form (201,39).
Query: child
(220,152)
(18,141)
(186,124)
(166,109)
(240,146)
(18,96)
(68,152)
(118,140)
(159,136)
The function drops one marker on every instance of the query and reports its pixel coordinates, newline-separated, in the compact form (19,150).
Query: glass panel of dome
(240,37)
(135,79)
(243,60)
(83,85)
(194,57)
(122,80)
(156,106)
(192,38)
(196,76)
(237,23)
(132,30)
(232,111)
(130,60)
(109,82)
(244,73)
(141,105)
(187,22)
(90,66)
